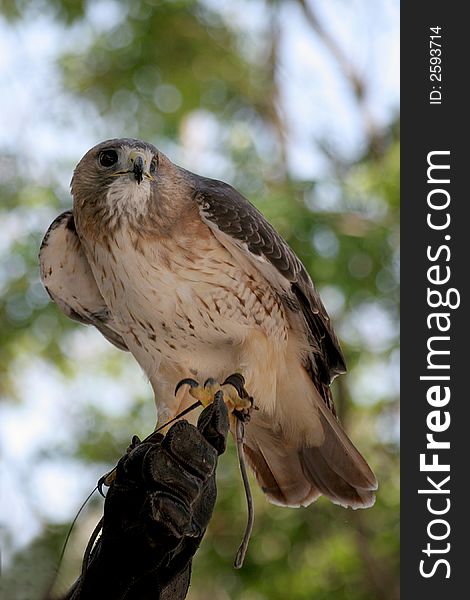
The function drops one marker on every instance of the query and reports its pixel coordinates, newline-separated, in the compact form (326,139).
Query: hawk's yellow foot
(235,396)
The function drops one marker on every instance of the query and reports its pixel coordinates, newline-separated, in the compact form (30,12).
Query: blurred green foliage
(158,66)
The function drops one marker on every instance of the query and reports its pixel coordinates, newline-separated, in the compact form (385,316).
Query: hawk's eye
(108,158)
(153,165)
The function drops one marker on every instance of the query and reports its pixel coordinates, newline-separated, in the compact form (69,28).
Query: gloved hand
(156,513)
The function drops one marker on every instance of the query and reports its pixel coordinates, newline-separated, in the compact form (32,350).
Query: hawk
(187,275)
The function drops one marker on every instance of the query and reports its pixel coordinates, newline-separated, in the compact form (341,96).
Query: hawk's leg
(235,396)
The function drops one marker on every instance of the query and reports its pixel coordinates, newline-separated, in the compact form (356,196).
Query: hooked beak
(138,169)
(137,166)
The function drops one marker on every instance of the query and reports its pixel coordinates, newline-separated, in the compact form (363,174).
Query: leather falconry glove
(156,513)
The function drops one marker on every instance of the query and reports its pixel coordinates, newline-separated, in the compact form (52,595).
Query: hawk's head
(126,181)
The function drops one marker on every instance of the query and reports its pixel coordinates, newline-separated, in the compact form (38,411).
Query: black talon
(191,382)
(238,382)
(210,381)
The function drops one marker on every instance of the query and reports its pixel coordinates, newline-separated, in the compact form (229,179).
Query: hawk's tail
(292,476)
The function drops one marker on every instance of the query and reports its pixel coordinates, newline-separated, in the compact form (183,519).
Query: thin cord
(240,557)
(72,526)
(182,413)
(67,537)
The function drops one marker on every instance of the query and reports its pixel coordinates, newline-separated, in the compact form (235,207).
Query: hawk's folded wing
(291,475)
(68,279)
(235,221)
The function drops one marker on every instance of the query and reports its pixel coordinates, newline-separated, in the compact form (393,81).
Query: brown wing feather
(229,213)
(69,281)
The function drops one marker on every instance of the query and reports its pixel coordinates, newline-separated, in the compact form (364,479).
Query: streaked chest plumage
(175,300)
